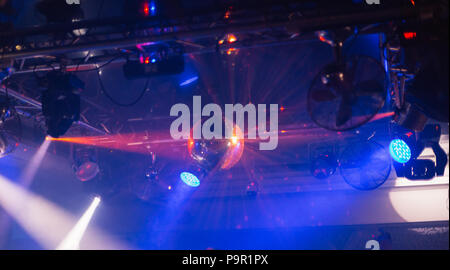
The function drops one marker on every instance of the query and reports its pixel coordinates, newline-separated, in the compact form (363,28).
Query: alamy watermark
(73,2)
(212,128)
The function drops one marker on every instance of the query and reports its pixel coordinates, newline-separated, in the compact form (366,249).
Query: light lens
(400,151)
(190,179)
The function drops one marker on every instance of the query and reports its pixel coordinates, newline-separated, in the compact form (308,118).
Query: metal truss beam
(301,24)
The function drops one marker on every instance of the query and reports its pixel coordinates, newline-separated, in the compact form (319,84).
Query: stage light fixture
(85,163)
(10,127)
(406,149)
(400,151)
(190,179)
(61,102)
(194,174)
(81,31)
(87,171)
(252,189)
(155,60)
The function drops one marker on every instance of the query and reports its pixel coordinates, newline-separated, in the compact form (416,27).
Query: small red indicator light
(146,9)
(409,35)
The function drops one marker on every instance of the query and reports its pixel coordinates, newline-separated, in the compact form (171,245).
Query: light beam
(34,164)
(46,222)
(73,239)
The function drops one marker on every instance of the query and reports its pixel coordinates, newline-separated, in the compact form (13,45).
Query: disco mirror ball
(207,153)
(220,154)
(217,153)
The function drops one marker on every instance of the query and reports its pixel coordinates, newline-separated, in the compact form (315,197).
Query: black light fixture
(155,60)
(85,163)
(423,169)
(61,102)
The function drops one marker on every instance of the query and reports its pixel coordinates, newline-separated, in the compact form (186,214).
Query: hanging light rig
(155,59)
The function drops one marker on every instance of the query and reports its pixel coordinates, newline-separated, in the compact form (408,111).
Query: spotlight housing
(85,163)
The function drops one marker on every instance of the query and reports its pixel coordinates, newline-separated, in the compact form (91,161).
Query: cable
(99,12)
(118,103)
